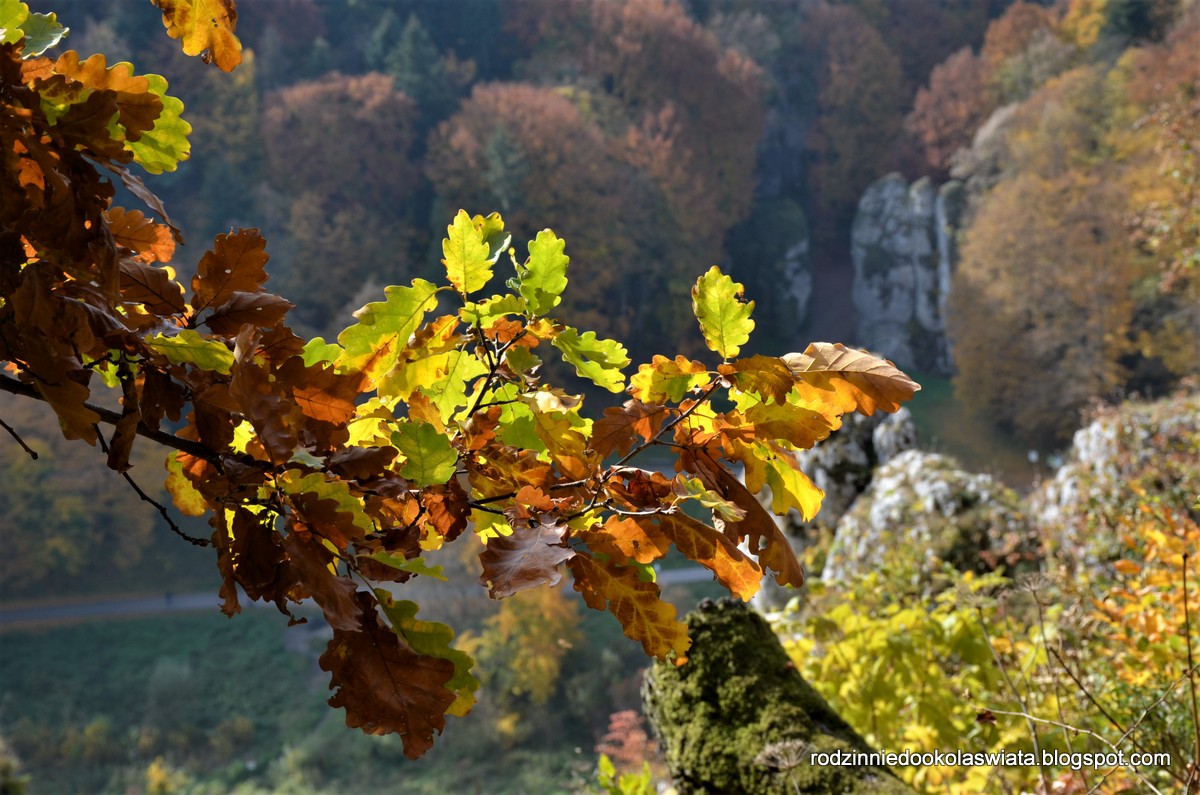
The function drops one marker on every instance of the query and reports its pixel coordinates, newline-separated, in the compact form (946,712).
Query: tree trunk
(738,717)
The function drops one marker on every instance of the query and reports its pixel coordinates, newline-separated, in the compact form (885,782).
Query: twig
(1068,727)
(1108,715)
(1187,628)
(1029,719)
(13,386)
(199,542)
(12,432)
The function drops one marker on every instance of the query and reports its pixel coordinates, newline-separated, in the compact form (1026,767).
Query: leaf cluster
(330,470)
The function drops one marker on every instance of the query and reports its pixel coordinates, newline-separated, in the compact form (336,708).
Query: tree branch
(199,542)
(15,387)
(12,432)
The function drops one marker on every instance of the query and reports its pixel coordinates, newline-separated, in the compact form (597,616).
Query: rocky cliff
(903,250)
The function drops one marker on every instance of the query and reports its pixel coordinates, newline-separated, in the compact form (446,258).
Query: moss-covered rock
(738,717)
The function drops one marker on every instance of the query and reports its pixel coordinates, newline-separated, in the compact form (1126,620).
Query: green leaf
(414,566)
(486,312)
(694,489)
(42,31)
(318,350)
(545,275)
(443,377)
(12,15)
(373,344)
(600,361)
(430,458)
(163,146)
(724,319)
(432,639)
(492,229)
(467,262)
(189,347)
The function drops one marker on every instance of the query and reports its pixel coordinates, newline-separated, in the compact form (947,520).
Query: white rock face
(1147,447)
(921,508)
(902,246)
(798,280)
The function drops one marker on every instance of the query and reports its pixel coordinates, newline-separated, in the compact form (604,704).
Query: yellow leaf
(206,28)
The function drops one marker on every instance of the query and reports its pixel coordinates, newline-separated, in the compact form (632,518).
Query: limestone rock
(738,719)
(1137,446)
(921,507)
(902,246)
(842,467)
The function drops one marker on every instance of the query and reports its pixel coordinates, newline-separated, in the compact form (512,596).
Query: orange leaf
(133,230)
(636,604)
(206,28)
(715,552)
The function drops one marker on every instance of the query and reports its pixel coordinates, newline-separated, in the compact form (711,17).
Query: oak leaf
(620,427)
(669,379)
(635,603)
(205,28)
(714,551)
(845,379)
(385,686)
(258,309)
(768,376)
(527,558)
(724,319)
(234,264)
(433,639)
(316,570)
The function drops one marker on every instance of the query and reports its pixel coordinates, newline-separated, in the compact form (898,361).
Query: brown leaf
(448,509)
(152,287)
(139,108)
(133,230)
(636,604)
(235,264)
(361,463)
(385,686)
(620,427)
(334,593)
(848,379)
(258,309)
(526,559)
(259,399)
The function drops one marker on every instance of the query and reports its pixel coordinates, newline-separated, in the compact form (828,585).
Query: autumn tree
(335,471)
(347,203)
(860,100)
(947,112)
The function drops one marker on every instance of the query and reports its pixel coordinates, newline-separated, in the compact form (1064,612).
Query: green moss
(738,696)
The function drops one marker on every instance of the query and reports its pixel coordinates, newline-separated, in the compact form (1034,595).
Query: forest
(407,295)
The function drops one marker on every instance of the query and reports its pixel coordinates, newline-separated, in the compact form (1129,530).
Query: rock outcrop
(738,719)
(902,246)
(1131,453)
(922,508)
(842,467)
